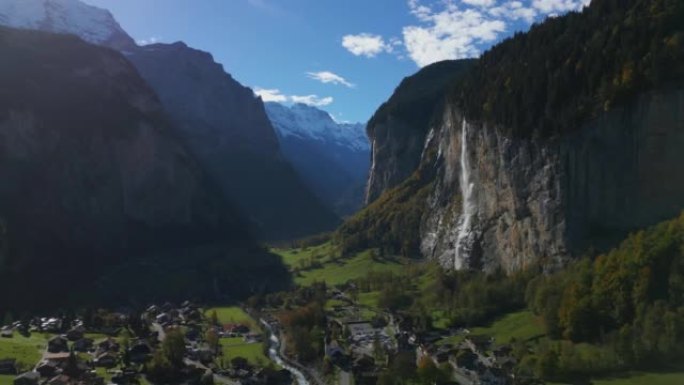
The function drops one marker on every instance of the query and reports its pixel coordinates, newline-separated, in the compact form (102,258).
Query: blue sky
(346,56)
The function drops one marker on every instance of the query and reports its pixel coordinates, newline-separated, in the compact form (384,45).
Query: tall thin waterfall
(465,232)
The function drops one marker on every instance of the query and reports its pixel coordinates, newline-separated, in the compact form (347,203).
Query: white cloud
(559,6)
(480,3)
(365,44)
(328,77)
(148,41)
(514,10)
(312,100)
(456,29)
(452,33)
(274,95)
(270,95)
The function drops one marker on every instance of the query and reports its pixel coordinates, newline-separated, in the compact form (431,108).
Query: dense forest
(572,68)
(391,223)
(629,301)
(418,97)
(622,310)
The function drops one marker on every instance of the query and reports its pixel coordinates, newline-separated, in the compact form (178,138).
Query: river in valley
(274,352)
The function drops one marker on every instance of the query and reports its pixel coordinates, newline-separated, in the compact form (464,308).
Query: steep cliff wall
(398,129)
(556,140)
(548,199)
(226,128)
(93,178)
(221,121)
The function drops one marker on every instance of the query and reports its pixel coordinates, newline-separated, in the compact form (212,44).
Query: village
(123,347)
(369,344)
(190,344)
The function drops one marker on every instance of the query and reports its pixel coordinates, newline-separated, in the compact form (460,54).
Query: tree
(71,369)
(126,357)
(379,353)
(404,366)
(429,373)
(239,363)
(174,347)
(547,365)
(212,339)
(160,369)
(214,318)
(387,377)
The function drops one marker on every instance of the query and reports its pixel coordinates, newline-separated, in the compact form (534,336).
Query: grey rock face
(548,200)
(399,128)
(226,127)
(395,153)
(91,172)
(219,120)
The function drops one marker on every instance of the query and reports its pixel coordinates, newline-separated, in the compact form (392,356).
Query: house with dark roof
(47,369)
(75,333)
(83,345)
(8,366)
(58,344)
(62,379)
(28,378)
(107,360)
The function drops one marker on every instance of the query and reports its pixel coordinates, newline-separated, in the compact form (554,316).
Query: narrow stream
(274,354)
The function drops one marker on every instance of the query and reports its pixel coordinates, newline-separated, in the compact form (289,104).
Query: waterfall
(371,174)
(469,204)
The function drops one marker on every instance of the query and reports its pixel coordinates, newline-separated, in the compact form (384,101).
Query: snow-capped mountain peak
(92,24)
(308,122)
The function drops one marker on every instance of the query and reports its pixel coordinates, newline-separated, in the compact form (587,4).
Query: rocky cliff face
(398,129)
(543,149)
(546,200)
(226,127)
(221,121)
(92,174)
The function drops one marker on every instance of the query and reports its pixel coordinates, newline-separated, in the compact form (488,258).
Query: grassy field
(297,258)
(639,378)
(369,299)
(232,314)
(27,351)
(521,325)
(332,272)
(645,378)
(6,379)
(236,347)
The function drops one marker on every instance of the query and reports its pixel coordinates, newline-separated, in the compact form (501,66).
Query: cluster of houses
(168,315)
(77,355)
(72,357)
(198,353)
(476,360)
